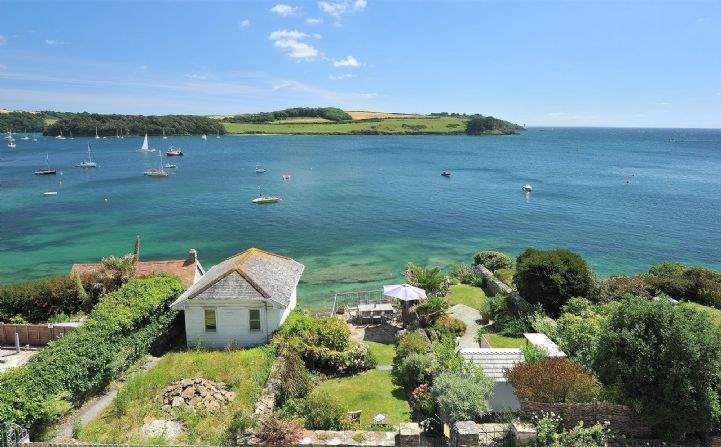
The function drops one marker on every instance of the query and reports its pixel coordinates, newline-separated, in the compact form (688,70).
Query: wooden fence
(31,334)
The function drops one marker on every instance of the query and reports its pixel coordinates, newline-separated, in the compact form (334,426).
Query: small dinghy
(50,193)
(285,176)
(446,173)
(527,188)
(263,200)
(259,170)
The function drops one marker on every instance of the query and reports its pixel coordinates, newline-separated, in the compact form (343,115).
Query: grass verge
(383,352)
(501,341)
(244,371)
(469,295)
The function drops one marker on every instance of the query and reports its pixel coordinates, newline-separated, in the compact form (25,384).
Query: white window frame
(250,321)
(205,319)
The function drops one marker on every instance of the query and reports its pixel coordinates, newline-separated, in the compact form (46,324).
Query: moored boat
(47,170)
(527,188)
(174,152)
(262,200)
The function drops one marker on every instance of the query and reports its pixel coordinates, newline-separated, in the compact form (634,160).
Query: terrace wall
(493,286)
(32,334)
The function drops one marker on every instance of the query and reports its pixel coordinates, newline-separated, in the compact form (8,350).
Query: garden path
(470,317)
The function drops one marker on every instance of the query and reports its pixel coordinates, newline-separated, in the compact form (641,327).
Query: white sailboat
(11,144)
(89,163)
(218,135)
(97,137)
(145,147)
(164,136)
(204,137)
(160,172)
(117,133)
(25,137)
(60,137)
(71,135)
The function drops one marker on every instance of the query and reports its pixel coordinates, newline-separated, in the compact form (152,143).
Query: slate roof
(251,275)
(184,269)
(494,361)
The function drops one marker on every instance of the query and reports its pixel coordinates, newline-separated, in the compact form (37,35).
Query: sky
(542,63)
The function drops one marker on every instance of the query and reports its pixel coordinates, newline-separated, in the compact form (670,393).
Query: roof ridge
(249,250)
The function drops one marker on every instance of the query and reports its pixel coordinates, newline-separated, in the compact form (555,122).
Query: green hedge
(120,329)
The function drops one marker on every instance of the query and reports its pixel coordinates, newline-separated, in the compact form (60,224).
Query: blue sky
(602,63)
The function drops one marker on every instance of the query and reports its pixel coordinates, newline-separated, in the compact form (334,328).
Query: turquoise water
(357,208)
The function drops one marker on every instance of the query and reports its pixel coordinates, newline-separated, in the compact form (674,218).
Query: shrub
(277,431)
(295,380)
(422,402)
(577,335)
(37,301)
(451,324)
(324,412)
(446,355)
(411,342)
(463,273)
(428,311)
(463,395)
(533,354)
(550,433)
(430,279)
(415,369)
(120,329)
(664,361)
(552,379)
(510,318)
(697,284)
(332,333)
(493,260)
(550,278)
(505,276)
(544,324)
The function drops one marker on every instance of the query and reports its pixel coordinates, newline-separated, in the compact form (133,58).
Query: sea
(356,209)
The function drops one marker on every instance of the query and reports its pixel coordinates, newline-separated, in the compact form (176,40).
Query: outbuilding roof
(253,274)
(493,361)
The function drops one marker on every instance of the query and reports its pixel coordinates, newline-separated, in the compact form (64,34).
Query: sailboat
(11,144)
(25,137)
(60,137)
(204,137)
(164,136)
(263,200)
(9,136)
(218,135)
(71,135)
(145,147)
(160,172)
(97,137)
(117,133)
(47,170)
(89,163)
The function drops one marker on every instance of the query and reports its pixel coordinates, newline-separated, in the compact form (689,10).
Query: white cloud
(348,61)
(342,76)
(360,5)
(333,9)
(3,40)
(663,104)
(313,21)
(284,10)
(245,23)
(317,36)
(290,41)
(196,76)
(53,42)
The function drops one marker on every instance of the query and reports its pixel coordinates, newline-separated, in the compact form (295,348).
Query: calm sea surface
(357,208)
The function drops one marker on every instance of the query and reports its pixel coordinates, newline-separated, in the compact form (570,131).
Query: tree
(493,260)
(119,269)
(551,277)
(664,360)
(430,279)
(479,125)
(136,247)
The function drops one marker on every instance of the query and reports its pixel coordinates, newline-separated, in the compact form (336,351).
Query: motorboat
(285,176)
(527,188)
(263,200)
(174,152)
(50,193)
(259,170)
(446,173)
(204,137)
(47,170)
(170,166)
(11,144)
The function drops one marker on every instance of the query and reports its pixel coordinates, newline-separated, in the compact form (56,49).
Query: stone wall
(493,286)
(621,418)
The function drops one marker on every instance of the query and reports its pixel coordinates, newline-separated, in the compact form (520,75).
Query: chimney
(192,256)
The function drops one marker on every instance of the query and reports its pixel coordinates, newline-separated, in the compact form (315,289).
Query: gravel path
(471,317)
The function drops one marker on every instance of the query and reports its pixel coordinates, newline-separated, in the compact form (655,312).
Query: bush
(510,318)
(463,273)
(324,412)
(463,395)
(295,380)
(550,278)
(120,329)
(450,324)
(428,311)
(430,279)
(446,354)
(663,360)
(543,324)
(39,300)
(696,284)
(277,431)
(415,369)
(550,433)
(533,354)
(617,287)
(332,333)
(577,335)
(422,402)
(505,276)
(493,260)
(553,380)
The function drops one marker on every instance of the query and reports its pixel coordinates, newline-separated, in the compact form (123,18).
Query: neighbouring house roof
(253,275)
(493,361)
(542,341)
(185,269)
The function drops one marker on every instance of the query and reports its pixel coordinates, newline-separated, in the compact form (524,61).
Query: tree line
(80,124)
(329,113)
(480,125)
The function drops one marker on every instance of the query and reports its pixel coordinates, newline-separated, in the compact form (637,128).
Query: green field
(372,392)
(139,400)
(390,126)
(469,295)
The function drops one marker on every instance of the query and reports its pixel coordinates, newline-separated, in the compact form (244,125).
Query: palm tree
(430,279)
(120,269)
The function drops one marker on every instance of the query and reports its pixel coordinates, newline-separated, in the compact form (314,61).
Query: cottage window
(210,322)
(254,319)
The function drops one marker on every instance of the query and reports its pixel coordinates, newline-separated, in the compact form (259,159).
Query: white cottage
(241,301)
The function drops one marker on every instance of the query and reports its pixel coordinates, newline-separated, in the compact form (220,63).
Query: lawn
(501,341)
(372,392)
(401,126)
(469,295)
(383,352)
(244,371)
